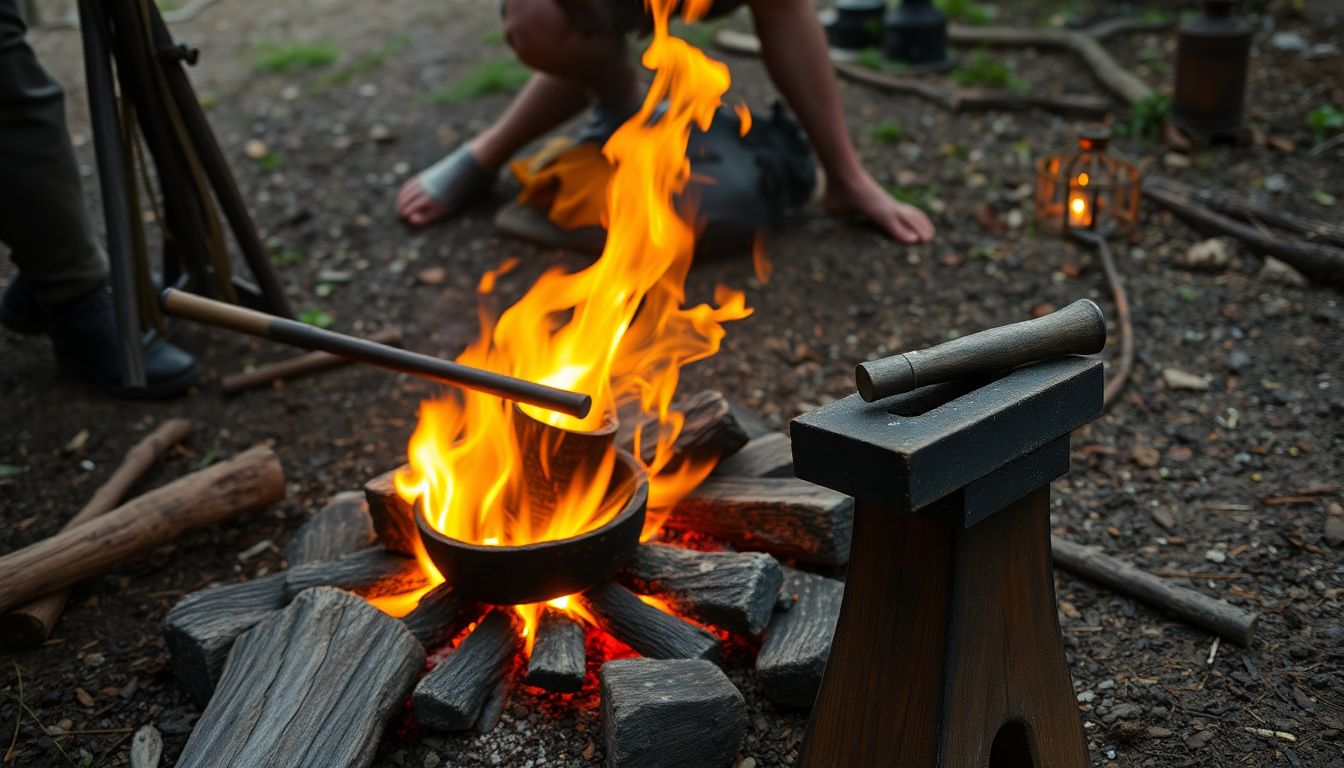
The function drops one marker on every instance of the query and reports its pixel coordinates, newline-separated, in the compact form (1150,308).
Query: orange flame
(617,331)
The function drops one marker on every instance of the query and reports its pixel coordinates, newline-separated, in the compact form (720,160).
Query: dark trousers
(42,215)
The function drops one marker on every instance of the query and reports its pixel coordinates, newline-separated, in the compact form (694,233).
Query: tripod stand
(147,94)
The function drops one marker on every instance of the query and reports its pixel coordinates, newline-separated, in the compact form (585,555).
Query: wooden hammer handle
(1078,329)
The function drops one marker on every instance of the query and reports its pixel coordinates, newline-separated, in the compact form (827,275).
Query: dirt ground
(1179,481)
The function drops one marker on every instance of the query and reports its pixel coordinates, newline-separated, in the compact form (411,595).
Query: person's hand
(862,195)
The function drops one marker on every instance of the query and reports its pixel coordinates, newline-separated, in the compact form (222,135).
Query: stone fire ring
(533,573)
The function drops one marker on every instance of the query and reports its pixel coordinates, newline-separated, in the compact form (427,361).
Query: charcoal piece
(732,590)
(372,572)
(786,517)
(493,708)
(798,641)
(201,628)
(709,430)
(769,455)
(342,527)
(313,685)
(451,696)
(393,518)
(753,425)
(558,654)
(646,629)
(440,615)
(670,713)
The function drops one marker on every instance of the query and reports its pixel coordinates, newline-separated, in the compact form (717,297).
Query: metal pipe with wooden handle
(217,313)
(1078,329)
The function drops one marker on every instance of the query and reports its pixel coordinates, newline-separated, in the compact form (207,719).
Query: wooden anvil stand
(947,651)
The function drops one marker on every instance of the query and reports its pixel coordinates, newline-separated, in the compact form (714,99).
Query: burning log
(452,695)
(342,527)
(372,572)
(30,624)
(798,641)
(646,629)
(314,684)
(670,713)
(294,366)
(1215,615)
(769,455)
(248,481)
(786,517)
(202,627)
(393,518)
(709,431)
(440,615)
(732,590)
(558,654)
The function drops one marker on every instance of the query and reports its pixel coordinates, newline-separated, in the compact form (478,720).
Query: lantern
(916,34)
(1213,54)
(856,24)
(1088,190)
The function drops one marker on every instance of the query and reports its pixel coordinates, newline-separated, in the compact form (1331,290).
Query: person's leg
(794,48)
(42,215)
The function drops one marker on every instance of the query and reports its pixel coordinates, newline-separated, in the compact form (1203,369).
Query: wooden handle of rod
(192,307)
(1078,329)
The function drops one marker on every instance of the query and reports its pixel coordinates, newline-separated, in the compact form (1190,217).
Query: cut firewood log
(709,431)
(440,615)
(646,629)
(558,654)
(342,527)
(798,641)
(754,426)
(295,366)
(732,590)
(1217,616)
(313,685)
(372,572)
(670,713)
(246,482)
(451,696)
(493,708)
(786,517)
(202,627)
(769,455)
(393,518)
(30,624)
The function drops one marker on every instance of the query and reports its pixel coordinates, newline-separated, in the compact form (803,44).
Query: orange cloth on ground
(571,187)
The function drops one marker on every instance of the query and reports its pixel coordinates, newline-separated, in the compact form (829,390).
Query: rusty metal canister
(1213,55)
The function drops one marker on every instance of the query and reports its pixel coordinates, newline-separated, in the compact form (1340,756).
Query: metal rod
(217,313)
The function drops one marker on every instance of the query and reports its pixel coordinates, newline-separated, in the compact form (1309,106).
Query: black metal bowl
(532,573)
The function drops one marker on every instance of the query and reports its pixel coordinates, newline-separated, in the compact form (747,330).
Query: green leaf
(285,257)
(11,470)
(1188,293)
(1322,197)
(888,132)
(316,317)
(1324,119)
(282,57)
(498,76)
(210,457)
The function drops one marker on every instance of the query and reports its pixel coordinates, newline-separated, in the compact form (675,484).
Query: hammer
(1078,329)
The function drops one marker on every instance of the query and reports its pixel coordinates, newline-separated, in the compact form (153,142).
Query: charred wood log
(798,641)
(342,527)
(393,518)
(312,685)
(452,695)
(558,653)
(200,630)
(295,366)
(1311,230)
(786,517)
(440,615)
(670,713)
(493,708)
(372,572)
(646,629)
(709,430)
(769,455)
(732,590)
(752,425)
(30,624)
(248,481)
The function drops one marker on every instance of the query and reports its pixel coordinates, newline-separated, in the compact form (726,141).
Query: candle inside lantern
(1080,212)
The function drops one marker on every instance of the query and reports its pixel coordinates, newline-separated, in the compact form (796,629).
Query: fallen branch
(1313,230)
(294,366)
(248,481)
(1212,614)
(1320,262)
(30,624)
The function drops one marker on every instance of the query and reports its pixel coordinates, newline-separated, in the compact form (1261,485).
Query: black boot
(84,335)
(20,311)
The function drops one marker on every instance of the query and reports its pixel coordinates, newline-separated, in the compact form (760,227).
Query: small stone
(431,275)
(289,92)
(747,762)
(1200,739)
(1276,271)
(663,713)
(1178,379)
(255,149)
(367,90)
(1238,361)
(380,133)
(1215,556)
(1276,183)
(1334,530)
(1176,160)
(1210,255)
(1125,711)
(1288,41)
(1155,732)
(1145,455)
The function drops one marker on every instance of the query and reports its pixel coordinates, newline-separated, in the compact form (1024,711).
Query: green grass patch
(1324,119)
(269,161)
(368,62)
(316,317)
(499,76)
(1146,117)
(888,131)
(919,196)
(493,37)
(873,58)
(284,257)
(283,57)
(981,69)
(964,11)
